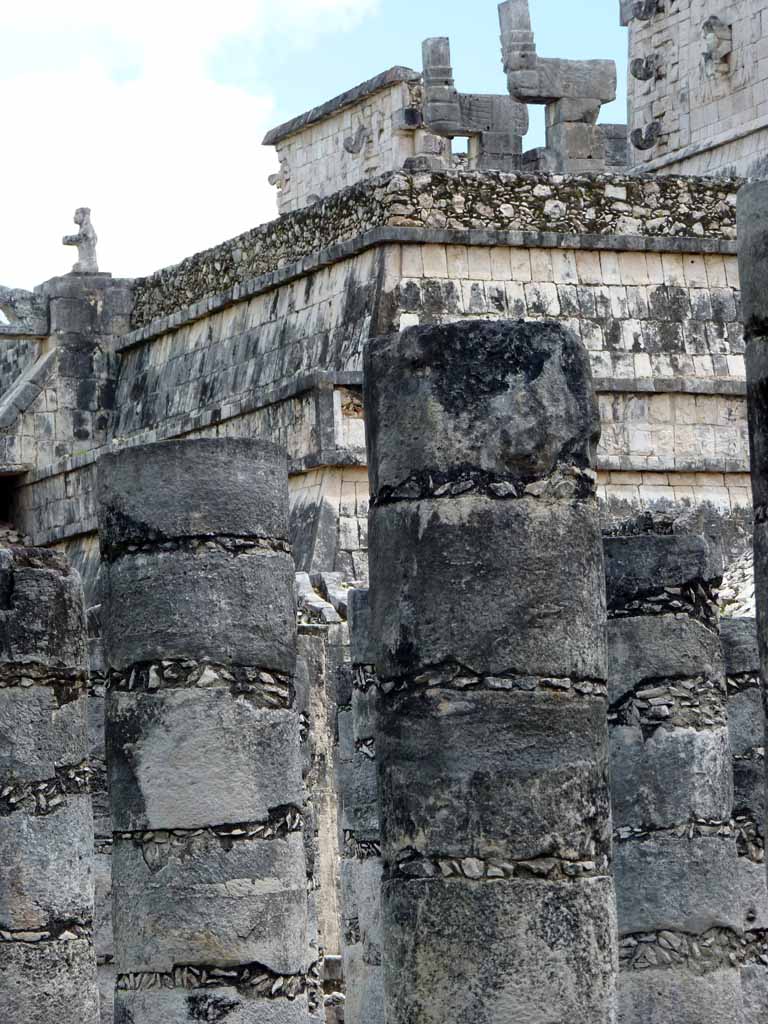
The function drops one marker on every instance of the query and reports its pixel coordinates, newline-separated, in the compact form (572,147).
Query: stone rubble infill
(364,678)
(566,482)
(366,747)
(745,681)
(63,931)
(710,951)
(360,849)
(456,677)
(696,600)
(231,545)
(68,685)
(47,796)
(249,978)
(281,823)
(266,689)
(698,703)
(550,868)
(737,592)
(743,829)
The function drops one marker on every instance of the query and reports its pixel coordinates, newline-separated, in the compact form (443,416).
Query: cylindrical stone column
(361,864)
(202,733)
(690,900)
(746,728)
(47,961)
(487,615)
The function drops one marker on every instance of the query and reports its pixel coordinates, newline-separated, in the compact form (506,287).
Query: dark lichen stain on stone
(210,1008)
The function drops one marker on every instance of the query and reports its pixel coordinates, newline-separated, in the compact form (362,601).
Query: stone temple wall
(698,86)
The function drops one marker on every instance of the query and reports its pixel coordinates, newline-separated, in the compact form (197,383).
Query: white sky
(125,118)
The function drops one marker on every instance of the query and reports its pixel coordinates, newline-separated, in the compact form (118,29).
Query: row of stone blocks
(489,709)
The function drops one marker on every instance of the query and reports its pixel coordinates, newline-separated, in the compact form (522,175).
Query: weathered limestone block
(257,917)
(647,996)
(486,611)
(166,763)
(47,961)
(532,950)
(203,735)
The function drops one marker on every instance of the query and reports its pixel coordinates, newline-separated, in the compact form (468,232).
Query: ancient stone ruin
(383,591)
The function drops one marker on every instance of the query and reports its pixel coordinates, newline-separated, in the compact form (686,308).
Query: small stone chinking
(690,886)
(47,961)
(209,875)
(487,605)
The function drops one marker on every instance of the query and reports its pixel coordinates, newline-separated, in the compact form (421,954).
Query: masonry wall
(712,115)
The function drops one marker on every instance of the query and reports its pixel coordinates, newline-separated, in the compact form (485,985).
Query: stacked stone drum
(487,617)
(203,746)
(47,961)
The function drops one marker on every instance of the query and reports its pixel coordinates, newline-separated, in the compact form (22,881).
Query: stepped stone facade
(619,245)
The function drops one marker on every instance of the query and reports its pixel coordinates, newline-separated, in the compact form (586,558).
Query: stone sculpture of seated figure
(85,241)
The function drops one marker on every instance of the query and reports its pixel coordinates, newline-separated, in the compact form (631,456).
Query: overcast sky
(152,112)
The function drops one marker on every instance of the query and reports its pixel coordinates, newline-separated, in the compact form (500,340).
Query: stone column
(689,898)
(752,224)
(47,961)
(209,875)
(487,614)
(746,728)
(361,864)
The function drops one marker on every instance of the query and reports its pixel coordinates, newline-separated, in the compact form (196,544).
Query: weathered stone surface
(451,585)
(659,647)
(48,983)
(42,616)
(188,758)
(103,939)
(652,995)
(218,486)
(752,222)
(646,564)
(206,605)
(361,647)
(180,1006)
(201,900)
(361,888)
(520,951)
(746,721)
(669,777)
(531,408)
(46,867)
(739,638)
(364,989)
(754,988)
(37,735)
(663,882)
(527,776)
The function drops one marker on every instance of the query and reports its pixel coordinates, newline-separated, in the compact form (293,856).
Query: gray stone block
(48,983)
(206,605)
(44,621)
(358,797)
(752,222)
(746,721)
(537,952)
(106,977)
(688,885)
(188,758)
(670,776)
(361,890)
(452,586)
(46,872)
(659,646)
(754,991)
(364,988)
(37,736)
(508,399)
(683,997)
(749,788)
(527,776)
(181,1006)
(103,940)
(645,564)
(362,648)
(211,486)
(739,638)
(203,900)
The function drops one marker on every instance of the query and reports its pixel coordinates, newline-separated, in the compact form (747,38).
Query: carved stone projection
(25,312)
(47,961)
(646,138)
(487,610)
(494,125)
(85,240)
(572,91)
(646,68)
(718,40)
(203,734)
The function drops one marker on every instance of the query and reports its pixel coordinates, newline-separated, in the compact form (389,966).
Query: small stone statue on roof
(85,241)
